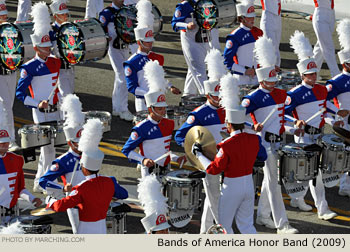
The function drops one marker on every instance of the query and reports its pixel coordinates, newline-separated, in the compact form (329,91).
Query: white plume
(59,1)
(3,114)
(229,92)
(301,45)
(41,18)
(14,228)
(343,30)
(71,107)
(145,17)
(150,195)
(246,2)
(91,135)
(215,64)
(155,76)
(265,52)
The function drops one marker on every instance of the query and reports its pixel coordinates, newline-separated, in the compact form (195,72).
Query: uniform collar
(114,6)
(3,155)
(57,24)
(210,106)
(346,73)
(244,27)
(264,89)
(142,53)
(40,59)
(152,121)
(73,153)
(92,176)
(306,85)
(236,132)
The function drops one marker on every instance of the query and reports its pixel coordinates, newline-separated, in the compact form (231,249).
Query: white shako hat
(4,132)
(264,51)
(145,20)
(91,136)
(74,117)
(246,8)
(154,204)
(59,7)
(157,84)
(303,49)
(3,9)
(42,25)
(216,70)
(343,30)
(229,91)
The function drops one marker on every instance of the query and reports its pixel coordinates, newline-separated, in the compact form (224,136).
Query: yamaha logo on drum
(180,218)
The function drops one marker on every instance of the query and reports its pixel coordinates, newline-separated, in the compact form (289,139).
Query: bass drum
(82,41)
(125,22)
(206,14)
(227,13)
(15,44)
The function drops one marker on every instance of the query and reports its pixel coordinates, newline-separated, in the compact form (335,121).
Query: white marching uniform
(194,52)
(271,23)
(93,8)
(323,22)
(23,10)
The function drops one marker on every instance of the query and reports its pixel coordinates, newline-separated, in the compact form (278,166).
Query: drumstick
(52,91)
(2,190)
(315,115)
(162,156)
(182,163)
(269,115)
(75,168)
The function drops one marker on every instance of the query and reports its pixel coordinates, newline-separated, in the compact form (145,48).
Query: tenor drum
(28,223)
(140,116)
(227,13)
(34,135)
(104,116)
(15,44)
(333,154)
(190,102)
(59,137)
(297,164)
(178,114)
(82,41)
(182,192)
(115,222)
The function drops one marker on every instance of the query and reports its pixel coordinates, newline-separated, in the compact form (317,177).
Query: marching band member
(40,76)
(238,52)
(12,184)
(118,52)
(196,43)
(93,8)
(340,90)
(8,87)
(66,166)
(259,104)
(152,135)
(271,24)
(211,116)
(93,195)
(323,21)
(133,67)
(303,102)
(60,13)
(23,10)
(154,204)
(235,158)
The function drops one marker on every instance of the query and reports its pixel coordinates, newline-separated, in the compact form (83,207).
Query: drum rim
(168,177)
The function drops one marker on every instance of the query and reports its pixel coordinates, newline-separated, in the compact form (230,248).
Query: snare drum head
(180,218)
(70,43)
(293,148)
(331,139)
(11,48)
(34,128)
(206,13)
(178,176)
(103,115)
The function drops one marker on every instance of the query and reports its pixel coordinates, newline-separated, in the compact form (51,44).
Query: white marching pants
(210,213)
(120,90)
(271,25)
(271,196)
(323,22)
(93,8)
(194,54)
(47,155)
(8,90)
(66,81)
(73,216)
(237,202)
(344,182)
(23,10)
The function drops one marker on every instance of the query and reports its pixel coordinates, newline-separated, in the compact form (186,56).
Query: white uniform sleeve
(136,156)
(181,24)
(204,160)
(139,91)
(238,68)
(29,101)
(26,195)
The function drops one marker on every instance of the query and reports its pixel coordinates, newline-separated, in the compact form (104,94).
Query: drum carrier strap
(117,42)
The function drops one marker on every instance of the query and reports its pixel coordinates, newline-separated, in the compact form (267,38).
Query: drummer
(133,67)
(303,102)
(40,76)
(8,87)
(12,184)
(211,116)
(93,195)
(238,52)
(153,135)
(259,104)
(60,14)
(66,166)
(236,157)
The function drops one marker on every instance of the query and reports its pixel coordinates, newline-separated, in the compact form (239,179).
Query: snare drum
(34,135)
(297,164)
(182,192)
(59,137)
(16,44)
(190,102)
(227,13)
(178,114)
(104,116)
(115,222)
(333,154)
(27,223)
(82,41)
(140,116)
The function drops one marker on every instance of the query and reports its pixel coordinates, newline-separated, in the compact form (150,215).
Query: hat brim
(272,79)
(5,140)
(46,44)
(62,12)
(160,104)
(250,15)
(310,71)
(150,39)
(214,93)
(162,226)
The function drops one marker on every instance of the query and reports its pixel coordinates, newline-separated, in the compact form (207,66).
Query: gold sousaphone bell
(201,135)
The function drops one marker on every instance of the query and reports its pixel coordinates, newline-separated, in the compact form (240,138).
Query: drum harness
(117,42)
